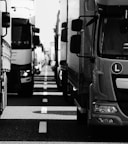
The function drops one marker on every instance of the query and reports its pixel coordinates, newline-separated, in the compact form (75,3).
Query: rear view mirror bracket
(78,23)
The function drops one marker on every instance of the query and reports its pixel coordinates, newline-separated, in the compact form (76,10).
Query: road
(46,118)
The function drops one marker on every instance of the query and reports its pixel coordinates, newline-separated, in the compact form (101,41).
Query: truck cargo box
(112,2)
(6,56)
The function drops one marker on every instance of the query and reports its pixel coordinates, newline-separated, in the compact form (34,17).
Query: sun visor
(112,2)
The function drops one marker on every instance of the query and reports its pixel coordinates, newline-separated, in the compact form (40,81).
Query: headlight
(60,74)
(36,67)
(104,108)
(25,74)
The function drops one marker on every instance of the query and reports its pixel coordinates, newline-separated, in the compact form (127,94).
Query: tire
(82,118)
(26,90)
(58,80)
(29,91)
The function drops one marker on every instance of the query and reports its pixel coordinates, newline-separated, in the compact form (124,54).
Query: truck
(60,44)
(95,68)
(23,41)
(22,70)
(39,59)
(5,52)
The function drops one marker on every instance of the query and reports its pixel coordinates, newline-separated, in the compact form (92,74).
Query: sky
(46,13)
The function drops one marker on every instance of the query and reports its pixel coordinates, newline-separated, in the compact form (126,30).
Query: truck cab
(96,65)
(109,87)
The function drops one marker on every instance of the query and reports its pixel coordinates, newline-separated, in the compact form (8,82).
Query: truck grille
(121,94)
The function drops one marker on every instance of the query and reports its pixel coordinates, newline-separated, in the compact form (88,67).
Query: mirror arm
(83,16)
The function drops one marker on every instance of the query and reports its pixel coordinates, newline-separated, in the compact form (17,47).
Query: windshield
(113,37)
(21,37)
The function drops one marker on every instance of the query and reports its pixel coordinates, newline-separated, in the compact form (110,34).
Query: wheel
(59,79)
(29,90)
(82,118)
(26,90)
(1,111)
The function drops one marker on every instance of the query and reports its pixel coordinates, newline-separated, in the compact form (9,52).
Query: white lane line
(48,93)
(46,73)
(45,85)
(45,78)
(43,127)
(40,112)
(44,100)
(44,110)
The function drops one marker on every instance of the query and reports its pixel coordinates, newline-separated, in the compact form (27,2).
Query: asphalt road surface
(46,118)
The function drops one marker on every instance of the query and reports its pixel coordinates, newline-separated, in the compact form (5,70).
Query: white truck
(39,59)
(23,41)
(60,44)
(95,69)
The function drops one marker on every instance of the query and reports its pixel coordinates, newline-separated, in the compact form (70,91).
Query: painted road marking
(44,110)
(39,112)
(44,100)
(48,93)
(45,85)
(43,127)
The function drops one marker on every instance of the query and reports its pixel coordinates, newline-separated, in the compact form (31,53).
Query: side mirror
(64,35)
(64,25)
(76,25)
(36,30)
(75,44)
(36,40)
(5,19)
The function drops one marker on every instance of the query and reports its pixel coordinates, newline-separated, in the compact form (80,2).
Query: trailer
(60,44)
(95,72)
(5,52)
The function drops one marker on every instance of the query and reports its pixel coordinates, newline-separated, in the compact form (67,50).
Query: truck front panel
(109,89)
